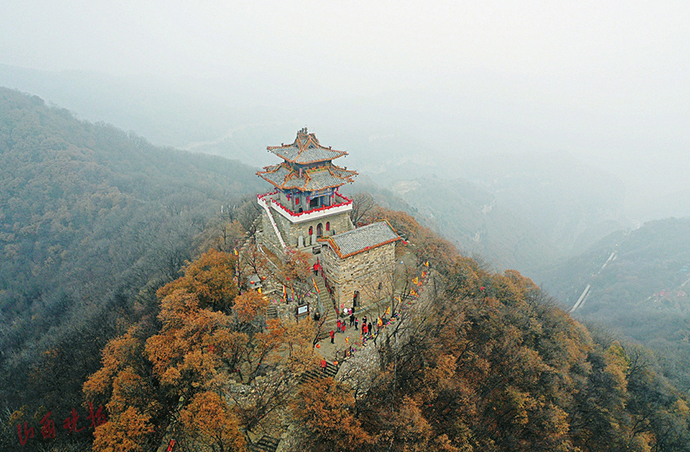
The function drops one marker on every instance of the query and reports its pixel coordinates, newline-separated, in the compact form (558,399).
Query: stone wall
(369,272)
(267,236)
(340,222)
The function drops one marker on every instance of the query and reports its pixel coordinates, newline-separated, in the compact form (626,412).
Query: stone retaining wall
(369,272)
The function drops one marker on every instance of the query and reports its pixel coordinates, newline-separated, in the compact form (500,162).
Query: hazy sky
(582,45)
(606,80)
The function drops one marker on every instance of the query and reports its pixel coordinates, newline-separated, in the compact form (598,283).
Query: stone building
(305,211)
(359,263)
(305,204)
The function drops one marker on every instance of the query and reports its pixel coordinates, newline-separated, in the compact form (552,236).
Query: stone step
(316,374)
(331,369)
(324,296)
(265,444)
(272,311)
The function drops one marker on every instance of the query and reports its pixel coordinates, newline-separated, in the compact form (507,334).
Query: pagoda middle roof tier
(306,149)
(320,177)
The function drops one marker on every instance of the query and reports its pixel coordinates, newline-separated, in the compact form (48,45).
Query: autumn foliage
(210,278)
(177,381)
(493,364)
(487,363)
(326,411)
(425,245)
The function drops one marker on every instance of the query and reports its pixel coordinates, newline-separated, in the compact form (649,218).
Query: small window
(328,226)
(311,230)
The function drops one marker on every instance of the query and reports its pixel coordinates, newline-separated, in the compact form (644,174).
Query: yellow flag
(415,280)
(315,286)
(413,293)
(235,251)
(259,290)
(426,263)
(379,322)
(388,311)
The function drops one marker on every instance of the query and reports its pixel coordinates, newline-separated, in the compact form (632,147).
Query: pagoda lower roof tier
(306,149)
(317,178)
(362,239)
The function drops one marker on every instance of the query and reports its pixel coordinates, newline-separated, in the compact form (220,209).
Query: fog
(605,82)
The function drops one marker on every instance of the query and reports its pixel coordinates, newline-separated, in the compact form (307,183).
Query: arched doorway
(319,230)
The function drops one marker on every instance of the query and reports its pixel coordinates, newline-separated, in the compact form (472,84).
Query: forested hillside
(110,314)
(92,221)
(481,362)
(643,291)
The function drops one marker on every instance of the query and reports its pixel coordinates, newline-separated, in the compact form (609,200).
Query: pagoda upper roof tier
(321,177)
(306,149)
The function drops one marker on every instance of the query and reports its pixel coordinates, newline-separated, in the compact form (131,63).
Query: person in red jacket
(332,337)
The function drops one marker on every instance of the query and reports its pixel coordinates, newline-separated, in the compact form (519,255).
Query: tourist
(338,325)
(356,322)
(352,319)
(371,331)
(323,365)
(332,337)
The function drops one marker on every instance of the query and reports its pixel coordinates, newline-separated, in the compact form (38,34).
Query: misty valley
(527,300)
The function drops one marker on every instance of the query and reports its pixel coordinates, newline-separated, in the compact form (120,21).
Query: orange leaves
(185,348)
(249,305)
(297,340)
(210,278)
(324,408)
(207,333)
(125,432)
(296,268)
(407,427)
(118,354)
(128,389)
(208,421)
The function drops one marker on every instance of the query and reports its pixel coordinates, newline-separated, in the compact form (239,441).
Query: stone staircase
(324,297)
(318,373)
(272,311)
(328,314)
(265,444)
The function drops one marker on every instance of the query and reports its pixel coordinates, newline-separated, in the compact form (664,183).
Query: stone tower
(306,212)
(305,204)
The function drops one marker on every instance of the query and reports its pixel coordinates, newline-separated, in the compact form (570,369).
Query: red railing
(348,201)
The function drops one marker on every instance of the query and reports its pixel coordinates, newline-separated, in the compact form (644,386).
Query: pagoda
(305,204)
